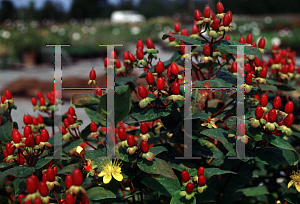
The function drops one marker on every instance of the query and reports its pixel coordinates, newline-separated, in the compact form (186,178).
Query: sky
(66,3)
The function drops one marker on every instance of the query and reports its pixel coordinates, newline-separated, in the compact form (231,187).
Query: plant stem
(89,145)
(219,111)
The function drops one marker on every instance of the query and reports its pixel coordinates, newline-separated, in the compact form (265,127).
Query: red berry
(130,140)
(200,171)
(20,198)
(206,50)
(68,181)
(263,73)
(247,68)
(93,127)
(117,64)
(220,7)
(69,199)
(27,130)
(175,88)
(144,128)
(226,20)
(29,142)
(201,180)
(77,177)
(125,55)
(150,78)
(42,101)
(248,79)
(38,200)
(55,170)
(261,43)
(84,200)
(40,119)
(263,100)
(242,129)
(160,83)
(2,99)
(43,188)
(174,69)
(145,146)
(197,15)
(139,54)
(98,91)
(38,139)
(139,44)
(189,187)
(50,174)
(35,121)
(159,67)
(227,37)
(266,117)
(291,68)
(33,101)
(234,67)
(259,112)
(272,116)
(277,102)
(277,58)
(176,27)
(288,120)
(40,95)
(149,43)
(92,74)
(184,32)
(4,152)
(44,178)
(206,12)
(16,136)
(171,39)
(122,134)
(257,62)
(131,57)
(249,38)
(289,107)
(44,135)
(9,148)
(216,24)
(143,92)
(71,119)
(66,123)
(7,94)
(113,55)
(185,175)
(242,40)
(32,183)
(195,30)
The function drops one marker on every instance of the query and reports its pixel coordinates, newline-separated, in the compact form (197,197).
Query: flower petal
(102,173)
(107,178)
(117,176)
(297,185)
(290,183)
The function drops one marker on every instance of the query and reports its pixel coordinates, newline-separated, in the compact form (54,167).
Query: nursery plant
(150,135)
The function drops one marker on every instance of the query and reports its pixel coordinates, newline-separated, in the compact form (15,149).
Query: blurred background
(26,64)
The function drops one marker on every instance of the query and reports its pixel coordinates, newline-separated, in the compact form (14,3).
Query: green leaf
(178,199)
(186,39)
(125,80)
(73,144)
(5,132)
(254,191)
(292,198)
(203,116)
(85,132)
(94,154)
(219,134)
(207,149)
(225,46)
(148,115)
(99,193)
(275,156)
(279,142)
(268,88)
(166,186)
(215,83)
(157,166)
(81,100)
(209,172)
(91,111)
(280,86)
(157,149)
(19,185)
(68,169)
(121,152)
(42,162)
(18,171)
(5,165)
(122,99)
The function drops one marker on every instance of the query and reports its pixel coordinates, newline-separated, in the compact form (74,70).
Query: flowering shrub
(150,139)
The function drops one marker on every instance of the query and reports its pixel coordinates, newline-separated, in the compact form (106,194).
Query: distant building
(118,17)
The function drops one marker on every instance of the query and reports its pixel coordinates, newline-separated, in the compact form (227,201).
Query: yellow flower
(210,123)
(110,169)
(295,180)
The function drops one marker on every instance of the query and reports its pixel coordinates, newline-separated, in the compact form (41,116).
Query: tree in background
(7,11)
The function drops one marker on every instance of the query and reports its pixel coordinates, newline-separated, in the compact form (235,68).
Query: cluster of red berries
(44,105)
(274,121)
(190,185)
(7,98)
